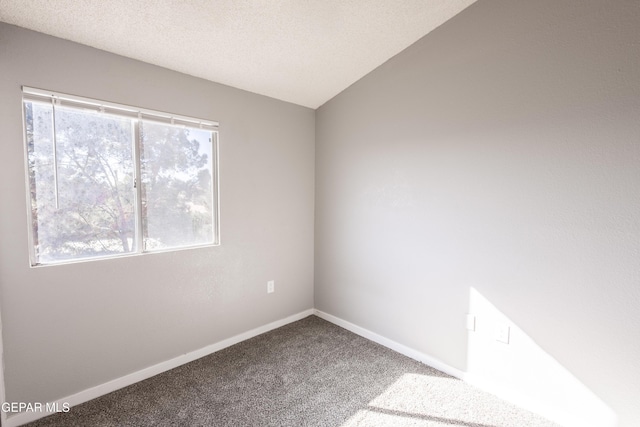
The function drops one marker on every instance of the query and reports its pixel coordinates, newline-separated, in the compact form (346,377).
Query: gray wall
(70,327)
(501,153)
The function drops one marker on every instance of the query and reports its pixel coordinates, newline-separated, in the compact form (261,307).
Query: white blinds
(32,94)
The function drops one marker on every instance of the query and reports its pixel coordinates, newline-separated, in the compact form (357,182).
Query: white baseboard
(400,348)
(481,383)
(511,396)
(596,415)
(143,374)
(519,399)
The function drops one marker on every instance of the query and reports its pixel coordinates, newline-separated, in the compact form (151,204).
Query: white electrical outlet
(471,322)
(271,286)
(502,333)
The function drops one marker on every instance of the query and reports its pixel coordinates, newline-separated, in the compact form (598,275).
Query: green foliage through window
(84,168)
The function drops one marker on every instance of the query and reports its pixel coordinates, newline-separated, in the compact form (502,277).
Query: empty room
(320,213)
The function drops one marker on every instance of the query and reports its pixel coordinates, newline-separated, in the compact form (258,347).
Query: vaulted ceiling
(300,51)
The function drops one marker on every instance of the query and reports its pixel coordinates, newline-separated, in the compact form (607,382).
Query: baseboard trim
(554,414)
(393,345)
(520,400)
(143,374)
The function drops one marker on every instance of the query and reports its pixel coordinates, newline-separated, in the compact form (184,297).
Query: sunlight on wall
(524,373)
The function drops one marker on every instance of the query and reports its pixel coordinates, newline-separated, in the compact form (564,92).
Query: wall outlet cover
(471,322)
(502,333)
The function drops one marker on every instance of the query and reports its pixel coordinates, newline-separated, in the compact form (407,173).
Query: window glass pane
(82,198)
(177,194)
(81,169)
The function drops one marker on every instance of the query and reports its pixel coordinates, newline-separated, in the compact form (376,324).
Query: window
(108,180)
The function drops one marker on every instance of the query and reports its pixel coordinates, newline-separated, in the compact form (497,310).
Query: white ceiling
(301,51)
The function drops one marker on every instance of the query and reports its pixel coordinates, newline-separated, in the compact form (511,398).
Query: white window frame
(137,114)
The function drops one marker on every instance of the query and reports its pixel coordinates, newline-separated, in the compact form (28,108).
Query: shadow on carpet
(307,373)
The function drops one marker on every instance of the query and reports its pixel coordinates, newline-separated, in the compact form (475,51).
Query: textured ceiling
(301,51)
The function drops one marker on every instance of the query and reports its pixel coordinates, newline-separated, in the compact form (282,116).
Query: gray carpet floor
(307,373)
